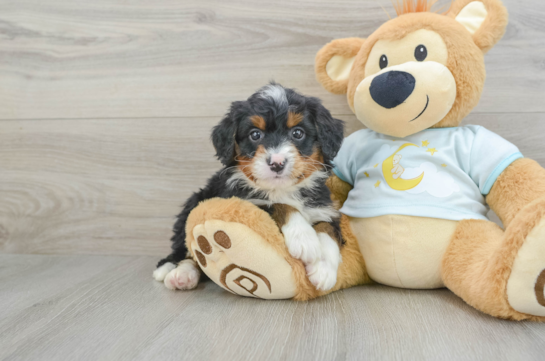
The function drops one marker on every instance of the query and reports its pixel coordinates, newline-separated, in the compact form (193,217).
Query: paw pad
(222,239)
(201,258)
(204,245)
(539,288)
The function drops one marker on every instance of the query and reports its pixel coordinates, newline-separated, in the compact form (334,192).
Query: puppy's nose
(277,162)
(392,88)
(277,167)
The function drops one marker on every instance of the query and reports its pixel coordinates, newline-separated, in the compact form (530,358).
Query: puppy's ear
(330,130)
(223,136)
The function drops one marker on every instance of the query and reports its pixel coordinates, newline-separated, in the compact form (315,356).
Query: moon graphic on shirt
(399,184)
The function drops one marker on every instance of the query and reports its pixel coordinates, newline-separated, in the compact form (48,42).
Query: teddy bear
(397,170)
(414,187)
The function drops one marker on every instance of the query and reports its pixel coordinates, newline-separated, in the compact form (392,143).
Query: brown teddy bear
(415,186)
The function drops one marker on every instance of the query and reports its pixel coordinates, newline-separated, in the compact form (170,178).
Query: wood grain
(106,106)
(169,58)
(109,308)
(113,186)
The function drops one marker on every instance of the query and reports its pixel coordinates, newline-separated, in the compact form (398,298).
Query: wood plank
(113,186)
(117,312)
(26,280)
(168,58)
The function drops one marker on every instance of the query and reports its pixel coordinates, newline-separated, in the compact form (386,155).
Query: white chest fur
(290,196)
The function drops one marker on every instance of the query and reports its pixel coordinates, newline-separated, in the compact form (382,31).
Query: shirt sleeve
(490,155)
(343,164)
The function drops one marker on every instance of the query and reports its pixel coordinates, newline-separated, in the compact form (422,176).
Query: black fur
(231,139)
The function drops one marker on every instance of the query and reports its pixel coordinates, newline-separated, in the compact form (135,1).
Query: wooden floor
(105,113)
(108,308)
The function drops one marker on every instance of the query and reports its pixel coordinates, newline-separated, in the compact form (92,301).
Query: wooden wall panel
(170,58)
(113,186)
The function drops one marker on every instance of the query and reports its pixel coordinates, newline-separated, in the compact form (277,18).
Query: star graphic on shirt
(375,165)
(431,150)
(377,184)
(425,143)
(443,165)
(366,174)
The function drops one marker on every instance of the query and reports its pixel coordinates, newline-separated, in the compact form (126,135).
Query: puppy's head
(277,137)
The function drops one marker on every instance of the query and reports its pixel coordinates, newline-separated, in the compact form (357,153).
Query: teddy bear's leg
(503,273)
(241,249)
(497,272)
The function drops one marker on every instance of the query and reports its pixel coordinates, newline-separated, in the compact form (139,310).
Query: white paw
(184,277)
(161,272)
(301,239)
(323,273)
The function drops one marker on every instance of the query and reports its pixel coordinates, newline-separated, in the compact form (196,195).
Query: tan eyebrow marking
(258,121)
(294,119)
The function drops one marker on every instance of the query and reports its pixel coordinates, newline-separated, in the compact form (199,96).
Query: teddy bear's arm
(520,184)
(339,190)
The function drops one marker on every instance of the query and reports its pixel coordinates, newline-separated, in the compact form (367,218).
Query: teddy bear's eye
(420,53)
(383,62)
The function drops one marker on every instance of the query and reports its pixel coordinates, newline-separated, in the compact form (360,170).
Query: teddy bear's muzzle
(404,99)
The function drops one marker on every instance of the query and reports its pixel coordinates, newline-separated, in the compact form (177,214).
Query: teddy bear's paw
(184,277)
(323,274)
(161,272)
(525,287)
(241,261)
(302,240)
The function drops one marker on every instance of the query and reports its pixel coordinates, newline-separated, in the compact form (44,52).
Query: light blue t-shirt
(439,173)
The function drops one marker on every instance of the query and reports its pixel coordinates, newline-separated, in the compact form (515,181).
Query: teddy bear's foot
(525,287)
(241,261)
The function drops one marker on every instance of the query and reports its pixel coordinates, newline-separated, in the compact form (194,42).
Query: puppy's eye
(383,62)
(298,133)
(255,135)
(420,53)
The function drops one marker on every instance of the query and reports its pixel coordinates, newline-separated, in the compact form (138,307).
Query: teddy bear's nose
(391,88)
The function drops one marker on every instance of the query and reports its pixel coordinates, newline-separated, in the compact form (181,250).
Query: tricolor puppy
(277,148)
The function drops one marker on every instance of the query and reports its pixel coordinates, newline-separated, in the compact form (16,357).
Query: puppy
(277,149)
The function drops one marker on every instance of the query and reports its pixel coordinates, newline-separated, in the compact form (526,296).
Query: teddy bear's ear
(484,19)
(334,62)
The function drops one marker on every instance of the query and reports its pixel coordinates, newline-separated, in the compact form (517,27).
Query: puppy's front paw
(305,247)
(301,239)
(184,277)
(323,273)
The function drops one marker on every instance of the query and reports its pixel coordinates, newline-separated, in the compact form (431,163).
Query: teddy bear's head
(419,70)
